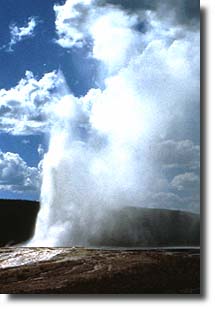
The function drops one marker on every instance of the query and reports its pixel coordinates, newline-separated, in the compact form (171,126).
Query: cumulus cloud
(177,154)
(167,200)
(172,200)
(24,108)
(79,22)
(186,182)
(66,15)
(185,12)
(16,175)
(20,33)
(119,35)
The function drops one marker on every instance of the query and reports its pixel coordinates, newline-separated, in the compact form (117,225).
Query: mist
(126,142)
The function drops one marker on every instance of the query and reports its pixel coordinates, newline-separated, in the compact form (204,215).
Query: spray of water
(103,152)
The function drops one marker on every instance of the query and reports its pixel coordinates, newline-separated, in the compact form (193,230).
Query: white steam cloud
(108,148)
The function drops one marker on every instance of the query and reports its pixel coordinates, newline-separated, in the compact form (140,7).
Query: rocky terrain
(94,271)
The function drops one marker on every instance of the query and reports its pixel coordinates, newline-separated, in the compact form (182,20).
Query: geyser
(117,145)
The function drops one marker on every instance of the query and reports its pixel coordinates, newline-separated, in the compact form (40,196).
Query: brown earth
(99,271)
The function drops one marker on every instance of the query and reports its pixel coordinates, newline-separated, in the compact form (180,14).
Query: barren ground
(94,271)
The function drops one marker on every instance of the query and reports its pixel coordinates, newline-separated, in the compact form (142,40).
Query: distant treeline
(17,220)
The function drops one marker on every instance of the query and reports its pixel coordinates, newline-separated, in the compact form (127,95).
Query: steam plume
(105,147)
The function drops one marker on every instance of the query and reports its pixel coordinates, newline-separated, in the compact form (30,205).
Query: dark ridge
(17,220)
(147,227)
(125,227)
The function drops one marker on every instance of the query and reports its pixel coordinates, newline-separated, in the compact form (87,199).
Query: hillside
(17,220)
(125,227)
(142,227)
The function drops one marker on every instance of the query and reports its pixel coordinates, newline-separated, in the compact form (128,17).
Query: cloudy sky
(94,50)
(30,61)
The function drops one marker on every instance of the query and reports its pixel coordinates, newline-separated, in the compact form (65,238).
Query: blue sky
(137,57)
(39,54)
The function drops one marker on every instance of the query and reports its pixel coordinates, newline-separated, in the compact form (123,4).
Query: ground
(99,271)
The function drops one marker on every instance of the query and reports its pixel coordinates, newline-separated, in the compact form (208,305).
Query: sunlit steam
(103,153)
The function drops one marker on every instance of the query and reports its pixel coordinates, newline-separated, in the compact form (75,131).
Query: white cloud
(24,108)
(165,200)
(20,33)
(183,192)
(170,200)
(186,182)
(25,141)
(77,21)
(71,22)
(40,150)
(16,175)
(177,154)
(115,37)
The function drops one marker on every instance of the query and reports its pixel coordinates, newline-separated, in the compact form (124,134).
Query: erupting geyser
(108,148)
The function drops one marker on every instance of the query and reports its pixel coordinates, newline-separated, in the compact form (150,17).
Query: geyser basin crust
(79,270)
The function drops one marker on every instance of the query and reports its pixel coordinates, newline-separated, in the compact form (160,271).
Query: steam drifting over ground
(131,141)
